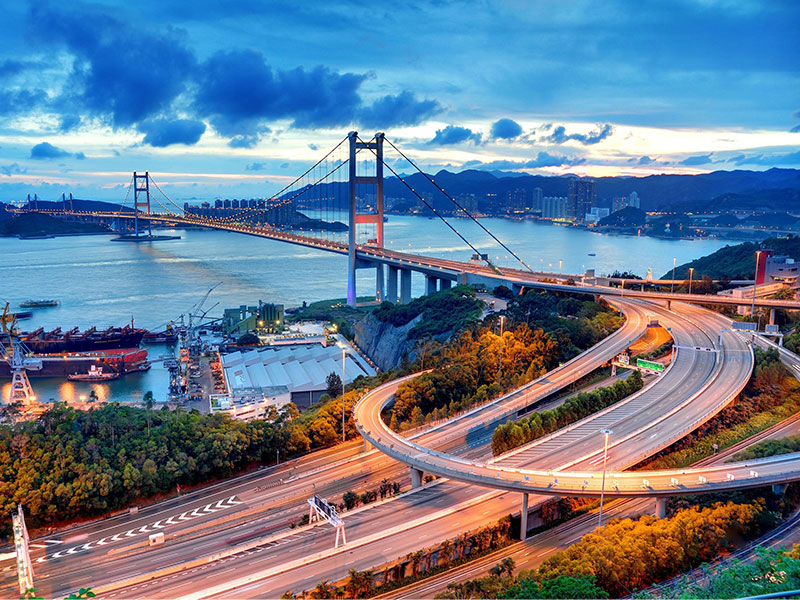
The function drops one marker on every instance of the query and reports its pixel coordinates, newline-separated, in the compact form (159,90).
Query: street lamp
(500,363)
(672,285)
(691,275)
(343,373)
(623,288)
(755,283)
(605,432)
(559,266)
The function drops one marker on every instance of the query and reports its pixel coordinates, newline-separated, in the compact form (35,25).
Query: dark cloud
(769,160)
(11,169)
(46,151)
(645,160)
(453,134)
(694,161)
(255,166)
(80,156)
(69,122)
(123,71)
(560,135)
(795,129)
(284,165)
(238,91)
(313,147)
(165,132)
(506,129)
(20,101)
(401,109)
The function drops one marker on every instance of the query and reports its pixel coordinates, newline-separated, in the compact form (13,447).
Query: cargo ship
(120,361)
(38,303)
(74,340)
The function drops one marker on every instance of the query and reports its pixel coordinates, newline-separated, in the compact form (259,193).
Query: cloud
(80,156)
(645,160)
(506,129)
(244,141)
(123,71)
(285,165)
(11,67)
(453,134)
(165,132)
(238,91)
(694,161)
(11,169)
(542,159)
(46,151)
(560,135)
(313,147)
(255,166)
(769,160)
(401,109)
(795,129)
(16,101)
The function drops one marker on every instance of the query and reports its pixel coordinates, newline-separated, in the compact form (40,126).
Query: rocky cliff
(385,344)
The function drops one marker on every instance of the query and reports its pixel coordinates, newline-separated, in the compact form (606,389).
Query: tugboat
(95,374)
(38,303)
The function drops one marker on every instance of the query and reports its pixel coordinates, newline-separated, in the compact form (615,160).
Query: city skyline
(100,90)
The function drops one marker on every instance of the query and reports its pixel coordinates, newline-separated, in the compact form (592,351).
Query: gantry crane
(18,360)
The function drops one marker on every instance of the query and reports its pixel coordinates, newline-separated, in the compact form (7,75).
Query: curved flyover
(696,386)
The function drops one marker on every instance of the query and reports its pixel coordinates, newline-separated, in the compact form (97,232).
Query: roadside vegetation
(538,424)
(626,555)
(769,448)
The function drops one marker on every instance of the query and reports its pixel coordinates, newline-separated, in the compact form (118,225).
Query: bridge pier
(391,284)
(523,518)
(444,284)
(405,286)
(779,489)
(416,478)
(669,304)
(380,291)
(772,316)
(661,507)
(430,285)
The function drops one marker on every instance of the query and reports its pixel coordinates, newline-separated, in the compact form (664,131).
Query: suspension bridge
(337,205)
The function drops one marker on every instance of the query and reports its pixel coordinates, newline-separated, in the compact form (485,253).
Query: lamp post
(606,433)
(755,283)
(559,266)
(691,275)
(623,288)
(343,374)
(500,362)
(672,285)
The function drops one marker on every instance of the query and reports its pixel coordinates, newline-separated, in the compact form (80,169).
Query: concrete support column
(391,284)
(669,304)
(430,285)
(367,445)
(444,284)
(523,518)
(405,286)
(772,316)
(779,489)
(661,507)
(416,478)
(380,291)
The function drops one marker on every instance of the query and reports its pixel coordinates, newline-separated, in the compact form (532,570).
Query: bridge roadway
(96,546)
(446,269)
(405,524)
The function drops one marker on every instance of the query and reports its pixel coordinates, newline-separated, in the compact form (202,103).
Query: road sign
(649,364)
(624,358)
(744,326)
(772,329)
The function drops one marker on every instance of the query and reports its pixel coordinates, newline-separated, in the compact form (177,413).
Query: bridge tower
(141,185)
(357,218)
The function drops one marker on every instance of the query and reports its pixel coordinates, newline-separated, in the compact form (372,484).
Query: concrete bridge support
(523,519)
(430,285)
(669,304)
(779,489)
(391,284)
(444,284)
(380,290)
(661,507)
(416,478)
(772,316)
(405,286)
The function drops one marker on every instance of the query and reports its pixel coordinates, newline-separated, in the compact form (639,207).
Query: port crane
(19,359)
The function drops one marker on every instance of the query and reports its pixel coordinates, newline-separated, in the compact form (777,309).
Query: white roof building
(302,368)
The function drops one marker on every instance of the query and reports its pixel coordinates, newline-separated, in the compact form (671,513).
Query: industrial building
(302,368)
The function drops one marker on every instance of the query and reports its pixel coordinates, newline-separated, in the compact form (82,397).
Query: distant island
(36,225)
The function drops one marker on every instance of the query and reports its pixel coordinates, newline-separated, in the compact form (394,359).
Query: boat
(592,254)
(125,360)
(23,314)
(38,303)
(168,336)
(74,340)
(94,374)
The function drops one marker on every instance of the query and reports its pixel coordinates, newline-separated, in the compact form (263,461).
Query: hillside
(735,262)
(32,224)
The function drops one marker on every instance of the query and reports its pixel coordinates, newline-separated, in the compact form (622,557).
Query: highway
(437,512)
(283,490)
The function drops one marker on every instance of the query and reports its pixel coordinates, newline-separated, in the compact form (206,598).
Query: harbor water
(100,283)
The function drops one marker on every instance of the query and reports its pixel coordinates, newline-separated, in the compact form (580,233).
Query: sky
(233,98)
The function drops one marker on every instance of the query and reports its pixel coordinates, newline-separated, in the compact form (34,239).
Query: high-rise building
(516,200)
(537,199)
(582,196)
(633,200)
(554,207)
